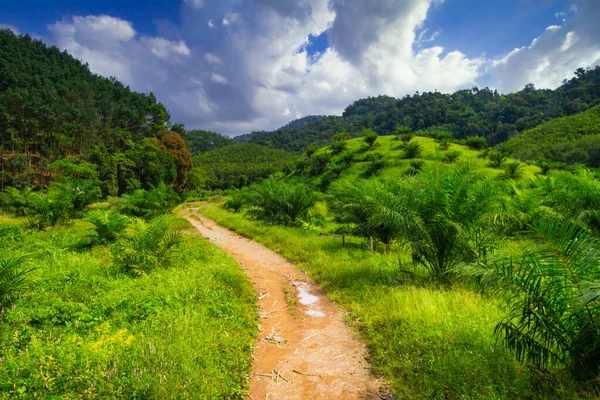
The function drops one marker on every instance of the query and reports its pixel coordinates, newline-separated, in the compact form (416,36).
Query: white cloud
(555,54)
(253,71)
(11,27)
(219,78)
(194,3)
(213,59)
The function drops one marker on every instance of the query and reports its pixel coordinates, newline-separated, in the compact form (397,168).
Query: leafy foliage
(13,281)
(198,141)
(572,139)
(412,149)
(107,225)
(18,202)
(220,169)
(173,144)
(147,246)
(280,202)
(149,204)
(553,293)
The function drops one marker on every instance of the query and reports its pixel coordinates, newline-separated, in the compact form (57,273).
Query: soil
(305,350)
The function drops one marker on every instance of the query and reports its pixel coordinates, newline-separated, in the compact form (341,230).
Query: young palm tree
(107,225)
(13,281)
(18,202)
(147,246)
(412,150)
(553,294)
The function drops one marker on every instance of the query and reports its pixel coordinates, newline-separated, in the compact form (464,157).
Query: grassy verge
(428,342)
(87,331)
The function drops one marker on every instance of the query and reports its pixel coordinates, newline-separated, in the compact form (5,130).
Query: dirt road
(305,349)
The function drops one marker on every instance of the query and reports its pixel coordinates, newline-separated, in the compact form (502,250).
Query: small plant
(405,137)
(513,170)
(338,146)
(51,209)
(310,150)
(108,225)
(376,163)
(236,201)
(18,202)
(347,158)
(370,138)
(320,163)
(149,204)
(341,136)
(412,150)
(444,145)
(475,142)
(451,156)
(499,155)
(13,281)
(147,246)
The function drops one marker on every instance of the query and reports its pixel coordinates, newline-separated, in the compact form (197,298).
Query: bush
(51,209)
(12,280)
(108,225)
(513,170)
(370,137)
(475,142)
(147,246)
(18,202)
(405,138)
(444,145)
(376,162)
(149,204)
(236,201)
(338,146)
(451,156)
(412,150)
(281,202)
(319,163)
(553,295)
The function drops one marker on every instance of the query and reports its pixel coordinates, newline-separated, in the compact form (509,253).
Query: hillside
(199,141)
(473,112)
(237,165)
(572,139)
(52,106)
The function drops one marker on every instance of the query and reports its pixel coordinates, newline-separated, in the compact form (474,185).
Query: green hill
(237,165)
(470,112)
(572,139)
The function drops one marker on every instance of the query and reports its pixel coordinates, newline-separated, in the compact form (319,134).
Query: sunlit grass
(428,341)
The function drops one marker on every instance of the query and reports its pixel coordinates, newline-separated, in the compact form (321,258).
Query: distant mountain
(572,139)
(472,112)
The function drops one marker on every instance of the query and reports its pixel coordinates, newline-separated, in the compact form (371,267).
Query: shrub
(281,202)
(499,155)
(319,163)
(236,201)
(405,138)
(341,136)
(51,209)
(311,150)
(412,150)
(347,157)
(370,137)
(513,170)
(475,142)
(553,295)
(18,202)
(149,204)
(444,145)
(13,280)
(147,246)
(451,156)
(376,162)
(338,146)
(108,225)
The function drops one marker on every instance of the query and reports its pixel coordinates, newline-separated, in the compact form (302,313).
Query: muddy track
(305,350)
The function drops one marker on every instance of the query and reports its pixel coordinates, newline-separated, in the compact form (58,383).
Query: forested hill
(472,112)
(52,106)
(573,140)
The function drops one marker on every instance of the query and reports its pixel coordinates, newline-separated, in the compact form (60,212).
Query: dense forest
(472,112)
(53,107)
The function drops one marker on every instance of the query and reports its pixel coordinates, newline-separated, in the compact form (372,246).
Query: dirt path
(304,351)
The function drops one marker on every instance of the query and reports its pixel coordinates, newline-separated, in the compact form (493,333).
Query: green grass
(87,331)
(429,342)
(396,166)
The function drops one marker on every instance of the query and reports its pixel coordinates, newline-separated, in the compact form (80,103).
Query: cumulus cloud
(555,54)
(238,66)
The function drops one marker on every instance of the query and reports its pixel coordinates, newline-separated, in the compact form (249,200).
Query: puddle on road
(307,299)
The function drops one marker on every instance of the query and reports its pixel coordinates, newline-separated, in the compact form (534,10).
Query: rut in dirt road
(304,352)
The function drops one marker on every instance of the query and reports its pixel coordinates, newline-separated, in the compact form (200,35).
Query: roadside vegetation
(484,278)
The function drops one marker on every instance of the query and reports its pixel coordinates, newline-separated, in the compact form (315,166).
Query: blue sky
(239,65)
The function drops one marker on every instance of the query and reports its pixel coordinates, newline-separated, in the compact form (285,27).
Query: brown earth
(305,350)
